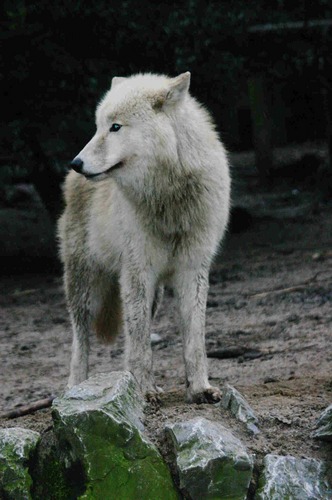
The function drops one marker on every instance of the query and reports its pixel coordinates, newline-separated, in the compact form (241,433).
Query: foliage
(59,58)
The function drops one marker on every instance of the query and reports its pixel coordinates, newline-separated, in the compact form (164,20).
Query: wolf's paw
(208,395)
(76,379)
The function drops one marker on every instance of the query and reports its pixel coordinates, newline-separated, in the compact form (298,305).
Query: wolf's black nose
(77,165)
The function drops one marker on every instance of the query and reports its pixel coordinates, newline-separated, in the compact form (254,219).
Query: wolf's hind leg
(78,290)
(79,364)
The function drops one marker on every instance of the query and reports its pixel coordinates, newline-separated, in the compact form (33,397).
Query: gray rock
(156,338)
(211,462)
(16,449)
(286,477)
(101,423)
(240,408)
(324,425)
(26,233)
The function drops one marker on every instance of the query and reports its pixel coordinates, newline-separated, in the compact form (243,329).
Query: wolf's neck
(171,199)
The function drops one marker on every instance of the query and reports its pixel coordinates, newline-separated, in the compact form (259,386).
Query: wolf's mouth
(91,176)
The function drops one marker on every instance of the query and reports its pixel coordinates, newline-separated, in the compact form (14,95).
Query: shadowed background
(262,70)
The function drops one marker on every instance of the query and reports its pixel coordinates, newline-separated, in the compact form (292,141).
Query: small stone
(324,425)
(101,422)
(155,338)
(282,420)
(17,446)
(270,380)
(293,478)
(317,256)
(211,462)
(240,408)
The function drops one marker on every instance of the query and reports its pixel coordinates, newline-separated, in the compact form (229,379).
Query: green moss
(100,421)
(116,458)
(16,449)
(51,477)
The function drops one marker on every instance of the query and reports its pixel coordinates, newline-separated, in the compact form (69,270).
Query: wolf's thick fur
(156,217)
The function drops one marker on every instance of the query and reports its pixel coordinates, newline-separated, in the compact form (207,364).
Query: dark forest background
(262,68)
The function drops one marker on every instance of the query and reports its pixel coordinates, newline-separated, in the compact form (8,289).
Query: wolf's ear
(178,88)
(175,92)
(116,80)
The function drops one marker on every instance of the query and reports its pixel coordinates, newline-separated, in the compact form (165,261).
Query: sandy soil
(268,317)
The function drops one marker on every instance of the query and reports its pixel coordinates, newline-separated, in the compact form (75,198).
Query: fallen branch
(235,352)
(21,293)
(247,294)
(290,289)
(248,354)
(30,408)
(227,352)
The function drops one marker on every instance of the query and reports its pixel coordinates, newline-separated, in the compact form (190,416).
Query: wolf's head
(135,127)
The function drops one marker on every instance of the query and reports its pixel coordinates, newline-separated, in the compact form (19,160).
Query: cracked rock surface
(293,478)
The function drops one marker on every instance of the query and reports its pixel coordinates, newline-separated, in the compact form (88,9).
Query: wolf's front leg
(80,353)
(137,291)
(191,290)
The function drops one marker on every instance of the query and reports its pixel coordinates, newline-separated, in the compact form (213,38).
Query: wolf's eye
(115,127)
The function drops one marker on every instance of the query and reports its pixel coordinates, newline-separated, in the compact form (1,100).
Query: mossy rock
(100,422)
(211,462)
(17,447)
(54,476)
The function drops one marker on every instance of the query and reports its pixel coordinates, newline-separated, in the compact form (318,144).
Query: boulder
(100,422)
(17,447)
(210,461)
(295,478)
(324,425)
(25,233)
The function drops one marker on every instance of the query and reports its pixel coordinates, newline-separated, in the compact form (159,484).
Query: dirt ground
(269,319)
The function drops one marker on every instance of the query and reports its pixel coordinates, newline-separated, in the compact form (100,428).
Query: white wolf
(156,217)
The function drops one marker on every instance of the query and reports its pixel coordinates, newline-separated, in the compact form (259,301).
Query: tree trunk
(261,125)
(327,96)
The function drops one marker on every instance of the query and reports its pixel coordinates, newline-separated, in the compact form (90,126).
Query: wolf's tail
(109,319)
